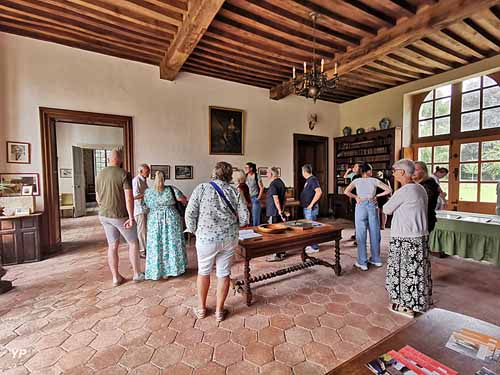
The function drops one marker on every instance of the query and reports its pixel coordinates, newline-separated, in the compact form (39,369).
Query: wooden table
(291,240)
(428,334)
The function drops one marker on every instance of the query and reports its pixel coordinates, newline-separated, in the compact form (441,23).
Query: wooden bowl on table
(272,228)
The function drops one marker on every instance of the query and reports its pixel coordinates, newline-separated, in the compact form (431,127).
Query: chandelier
(314,81)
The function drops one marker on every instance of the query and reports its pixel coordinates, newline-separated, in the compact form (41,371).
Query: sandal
(220,315)
(199,312)
(401,310)
(119,281)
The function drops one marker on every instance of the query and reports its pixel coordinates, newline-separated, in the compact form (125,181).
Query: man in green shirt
(116,213)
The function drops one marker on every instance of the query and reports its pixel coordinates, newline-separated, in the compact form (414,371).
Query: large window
(480,104)
(100,160)
(436,156)
(434,114)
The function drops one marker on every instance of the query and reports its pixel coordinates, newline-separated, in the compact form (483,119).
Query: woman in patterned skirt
(166,249)
(408,279)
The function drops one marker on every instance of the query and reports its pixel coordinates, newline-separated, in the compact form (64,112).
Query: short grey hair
(142,166)
(240,176)
(116,154)
(406,165)
(307,168)
(223,171)
(274,171)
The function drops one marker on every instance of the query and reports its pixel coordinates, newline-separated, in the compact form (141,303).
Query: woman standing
(166,249)
(243,188)
(366,217)
(408,279)
(421,176)
(256,188)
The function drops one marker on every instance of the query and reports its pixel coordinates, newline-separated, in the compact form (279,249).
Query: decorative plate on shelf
(385,123)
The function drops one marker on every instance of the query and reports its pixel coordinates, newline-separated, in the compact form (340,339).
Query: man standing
(275,204)
(116,213)
(309,199)
(139,186)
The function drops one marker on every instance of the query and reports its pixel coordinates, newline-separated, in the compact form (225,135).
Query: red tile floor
(65,317)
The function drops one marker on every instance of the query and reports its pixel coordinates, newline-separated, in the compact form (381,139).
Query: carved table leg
(246,279)
(338,268)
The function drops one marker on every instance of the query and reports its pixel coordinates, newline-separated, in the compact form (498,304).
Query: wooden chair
(66,205)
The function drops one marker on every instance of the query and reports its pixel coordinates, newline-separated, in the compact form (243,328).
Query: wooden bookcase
(379,148)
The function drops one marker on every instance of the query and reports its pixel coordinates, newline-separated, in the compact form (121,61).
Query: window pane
(491,96)
(488,193)
(425,128)
(425,154)
(425,111)
(471,101)
(468,192)
(443,91)
(491,118)
(490,171)
(442,125)
(487,81)
(445,178)
(469,152)
(444,187)
(441,154)
(471,84)
(429,96)
(470,121)
(468,172)
(442,107)
(491,150)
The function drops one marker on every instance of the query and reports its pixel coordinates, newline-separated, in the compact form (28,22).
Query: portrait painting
(163,168)
(14,183)
(18,152)
(226,131)
(183,172)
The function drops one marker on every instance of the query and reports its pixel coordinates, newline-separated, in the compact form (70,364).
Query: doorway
(59,173)
(311,149)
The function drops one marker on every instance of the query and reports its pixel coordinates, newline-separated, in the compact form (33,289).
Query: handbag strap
(224,198)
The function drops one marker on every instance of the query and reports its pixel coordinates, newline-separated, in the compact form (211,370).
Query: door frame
(51,228)
(296,168)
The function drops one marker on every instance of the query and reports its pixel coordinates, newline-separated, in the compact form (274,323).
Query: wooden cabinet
(19,239)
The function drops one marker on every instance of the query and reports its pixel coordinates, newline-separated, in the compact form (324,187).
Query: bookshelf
(380,148)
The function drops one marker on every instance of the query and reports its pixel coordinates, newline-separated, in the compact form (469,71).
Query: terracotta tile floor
(64,316)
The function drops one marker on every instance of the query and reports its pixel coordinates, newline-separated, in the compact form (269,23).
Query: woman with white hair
(166,249)
(408,278)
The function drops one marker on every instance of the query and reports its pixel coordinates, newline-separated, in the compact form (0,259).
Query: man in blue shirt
(309,199)
(275,204)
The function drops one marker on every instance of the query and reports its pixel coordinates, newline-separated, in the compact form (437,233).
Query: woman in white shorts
(214,214)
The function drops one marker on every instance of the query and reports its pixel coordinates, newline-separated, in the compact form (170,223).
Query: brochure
(246,234)
(475,344)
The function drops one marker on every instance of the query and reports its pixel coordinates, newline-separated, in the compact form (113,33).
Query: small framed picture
(183,172)
(262,171)
(27,190)
(18,152)
(22,211)
(279,171)
(163,168)
(65,172)
(14,182)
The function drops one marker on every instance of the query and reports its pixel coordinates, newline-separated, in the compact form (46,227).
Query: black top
(307,194)
(277,187)
(432,189)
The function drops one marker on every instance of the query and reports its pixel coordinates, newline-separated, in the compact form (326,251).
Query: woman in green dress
(166,249)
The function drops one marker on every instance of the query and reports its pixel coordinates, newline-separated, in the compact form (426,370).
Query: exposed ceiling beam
(199,16)
(428,20)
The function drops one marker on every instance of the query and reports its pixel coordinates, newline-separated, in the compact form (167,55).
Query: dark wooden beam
(436,59)
(452,52)
(453,35)
(199,16)
(387,20)
(483,32)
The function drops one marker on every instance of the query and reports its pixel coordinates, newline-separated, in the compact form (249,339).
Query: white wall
(170,118)
(87,136)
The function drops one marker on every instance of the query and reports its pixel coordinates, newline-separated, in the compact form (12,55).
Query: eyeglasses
(394,170)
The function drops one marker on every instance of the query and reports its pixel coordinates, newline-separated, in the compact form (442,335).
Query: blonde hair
(159,181)
(240,177)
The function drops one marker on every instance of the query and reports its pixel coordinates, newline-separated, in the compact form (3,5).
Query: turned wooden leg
(338,268)
(246,279)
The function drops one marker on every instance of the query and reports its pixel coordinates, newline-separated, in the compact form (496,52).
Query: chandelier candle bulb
(322,64)
(305,68)
(293,72)
(335,69)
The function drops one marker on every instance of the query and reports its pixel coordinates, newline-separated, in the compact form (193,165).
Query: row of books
(362,152)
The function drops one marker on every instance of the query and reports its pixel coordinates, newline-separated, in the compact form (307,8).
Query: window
(480,104)
(434,113)
(100,160)
(436,156)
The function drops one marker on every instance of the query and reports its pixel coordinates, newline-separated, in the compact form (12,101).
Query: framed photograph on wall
(262,171)
(13,183)
(65,172)
(183,172)
(163,168)
(27,190)
(18,152)
(226,127)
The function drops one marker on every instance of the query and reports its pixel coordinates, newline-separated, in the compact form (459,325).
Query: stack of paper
(246,234)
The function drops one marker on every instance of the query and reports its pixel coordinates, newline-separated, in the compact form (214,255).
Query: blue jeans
(256,209)
(367,219)
(312,215)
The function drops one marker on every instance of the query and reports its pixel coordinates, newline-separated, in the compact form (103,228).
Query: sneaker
(360,266)
(376,264)
(139,278)
(274,258)
(311,250)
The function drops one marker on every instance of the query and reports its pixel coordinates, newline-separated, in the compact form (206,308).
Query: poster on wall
(13,183)
(162,168)
(226,129)
(18,152)
(66,172)
(183,172)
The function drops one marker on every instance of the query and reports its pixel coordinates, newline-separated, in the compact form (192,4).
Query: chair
(66,205)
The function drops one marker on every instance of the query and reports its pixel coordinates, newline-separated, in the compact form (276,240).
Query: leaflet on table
(475,344)
(485,371)
(408,361)
(246,234)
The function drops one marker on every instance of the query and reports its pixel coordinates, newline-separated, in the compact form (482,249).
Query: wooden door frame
(316,139)
(48,119)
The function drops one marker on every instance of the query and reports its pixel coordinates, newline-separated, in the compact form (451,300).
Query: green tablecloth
(467,239)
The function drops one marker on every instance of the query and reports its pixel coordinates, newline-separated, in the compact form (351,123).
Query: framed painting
(226,129)
(183,172)
(13,183)
(18,152)
(65,172)
(262,171)
(163,168)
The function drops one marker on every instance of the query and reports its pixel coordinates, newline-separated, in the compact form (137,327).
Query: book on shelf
(475,345)
(408,361)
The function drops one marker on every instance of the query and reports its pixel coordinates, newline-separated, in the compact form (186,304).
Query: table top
(10,217)
(428,334)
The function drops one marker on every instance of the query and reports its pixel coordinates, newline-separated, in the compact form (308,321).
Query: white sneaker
(311,250)
(376,264)
(361,267)
(139,278)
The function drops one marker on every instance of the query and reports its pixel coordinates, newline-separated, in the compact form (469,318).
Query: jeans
(367,219)
(256,209)
(312,215)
